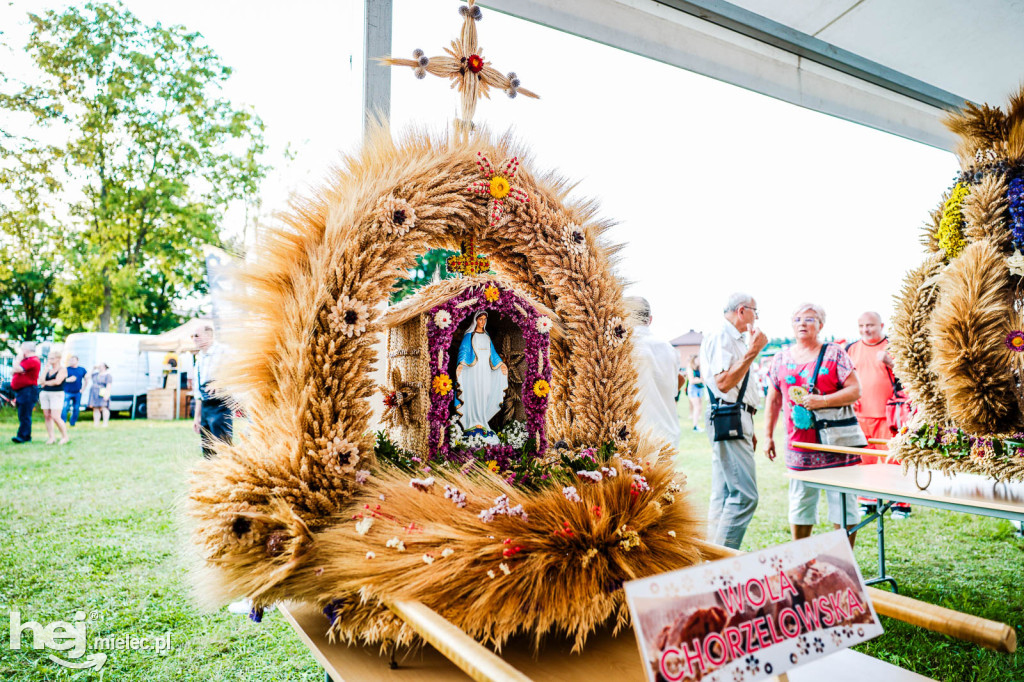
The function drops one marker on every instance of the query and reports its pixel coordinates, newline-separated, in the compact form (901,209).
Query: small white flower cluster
(609,473)
(630,465)
(422,484)
(501,507)
(593,476)
(457,497)
(362,476)
(395,543)
(570,494)
(447,552)
(640,483)
(455,432)
(543,324)
(474,442)
(515,434)
(364,524)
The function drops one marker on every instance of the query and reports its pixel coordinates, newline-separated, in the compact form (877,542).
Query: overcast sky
(714,188)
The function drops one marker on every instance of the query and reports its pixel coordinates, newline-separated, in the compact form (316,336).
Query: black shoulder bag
(835,425)
(727,418)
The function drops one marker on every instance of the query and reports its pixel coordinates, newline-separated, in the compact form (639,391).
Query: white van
(133,373)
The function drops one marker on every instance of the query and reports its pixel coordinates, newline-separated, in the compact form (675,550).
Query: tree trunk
(105,315)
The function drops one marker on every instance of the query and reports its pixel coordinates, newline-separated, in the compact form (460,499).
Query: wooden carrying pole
(842,449)
(472,657)
(981,631)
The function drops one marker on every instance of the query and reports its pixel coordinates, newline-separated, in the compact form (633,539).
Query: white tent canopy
(894,65)
(177,340)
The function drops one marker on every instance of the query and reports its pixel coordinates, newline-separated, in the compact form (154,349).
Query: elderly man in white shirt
(725,360)
(213,420)
(657,367)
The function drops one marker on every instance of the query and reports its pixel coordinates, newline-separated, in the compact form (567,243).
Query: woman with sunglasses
(789,380)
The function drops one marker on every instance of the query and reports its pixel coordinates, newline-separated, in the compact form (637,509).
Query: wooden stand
(604,658)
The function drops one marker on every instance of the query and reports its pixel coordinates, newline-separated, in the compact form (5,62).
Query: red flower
(475,63)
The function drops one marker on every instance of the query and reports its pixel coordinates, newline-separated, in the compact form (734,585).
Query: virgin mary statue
(482,377)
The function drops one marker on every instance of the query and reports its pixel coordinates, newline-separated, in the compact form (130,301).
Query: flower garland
(950,233)
(507,304)
(958,444)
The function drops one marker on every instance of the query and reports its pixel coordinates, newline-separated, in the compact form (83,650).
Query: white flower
(574,238)
(570,494)
(361,476)
(395,543)
(594,476)
(422,484)
(370,555)
(490,574)
(475,442)
(543,324)
(442,319)
(515,434)
(427,559)
(457,497)
(504,568)
(609,473)
(672,533)
(364,524)
(447,552)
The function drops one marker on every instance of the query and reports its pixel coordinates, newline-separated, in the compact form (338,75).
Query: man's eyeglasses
(753,309)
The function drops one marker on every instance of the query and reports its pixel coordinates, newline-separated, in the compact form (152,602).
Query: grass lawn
(93,526)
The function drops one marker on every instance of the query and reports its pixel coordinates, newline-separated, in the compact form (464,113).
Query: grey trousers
(733,485)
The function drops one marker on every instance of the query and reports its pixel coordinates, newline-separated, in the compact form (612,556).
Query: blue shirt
(73,384)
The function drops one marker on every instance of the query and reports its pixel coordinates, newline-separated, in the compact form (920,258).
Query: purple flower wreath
(537,343)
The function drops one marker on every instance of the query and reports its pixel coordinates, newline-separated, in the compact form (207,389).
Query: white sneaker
(244,606)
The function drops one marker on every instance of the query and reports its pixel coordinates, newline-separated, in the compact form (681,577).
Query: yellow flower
(493,465)
(541,388)
(950,233)
(442,384)
(499,187)
(491,294)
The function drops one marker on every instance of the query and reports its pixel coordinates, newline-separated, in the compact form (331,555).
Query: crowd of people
(807,376)
(58,390)
(797,384)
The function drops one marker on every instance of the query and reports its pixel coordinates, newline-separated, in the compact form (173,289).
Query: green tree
(151,156)
(30,252)
(432,263)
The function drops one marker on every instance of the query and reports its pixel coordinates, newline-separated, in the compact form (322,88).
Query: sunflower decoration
(442,384)
(348,316)
(498,186)
(397,399)
(541,388)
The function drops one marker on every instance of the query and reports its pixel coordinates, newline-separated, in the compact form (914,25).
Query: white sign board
(753,616)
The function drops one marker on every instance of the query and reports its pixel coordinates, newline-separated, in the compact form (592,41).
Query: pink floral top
(791,379)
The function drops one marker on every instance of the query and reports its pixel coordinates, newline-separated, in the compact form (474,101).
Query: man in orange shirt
(874,369)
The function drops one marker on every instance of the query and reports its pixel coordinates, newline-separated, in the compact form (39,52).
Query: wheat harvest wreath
(527,521)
